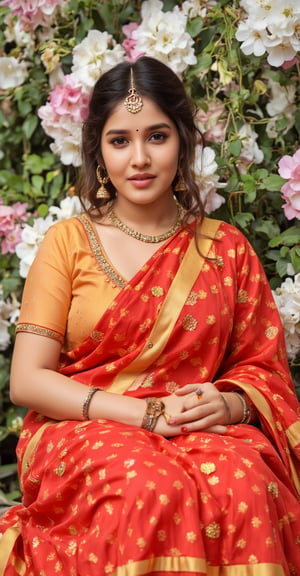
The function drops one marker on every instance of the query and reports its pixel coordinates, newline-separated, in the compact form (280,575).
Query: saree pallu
(101,497)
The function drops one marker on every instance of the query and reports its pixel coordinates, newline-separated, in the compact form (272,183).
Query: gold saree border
(179,290)
(32,445)
(199,566)
(7,542)
(262,405)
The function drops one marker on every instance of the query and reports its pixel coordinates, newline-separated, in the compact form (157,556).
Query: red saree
(102,498)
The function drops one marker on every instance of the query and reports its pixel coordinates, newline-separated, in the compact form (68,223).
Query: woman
(162,435)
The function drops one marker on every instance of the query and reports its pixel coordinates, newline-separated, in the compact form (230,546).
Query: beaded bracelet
(87,401)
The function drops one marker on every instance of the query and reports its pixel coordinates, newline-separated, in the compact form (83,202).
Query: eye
(119,141)
(158,137)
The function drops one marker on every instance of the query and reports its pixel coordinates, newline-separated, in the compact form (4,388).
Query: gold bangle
(154,409)
(87,401)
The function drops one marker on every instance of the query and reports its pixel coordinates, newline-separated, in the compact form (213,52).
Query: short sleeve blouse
(70,284)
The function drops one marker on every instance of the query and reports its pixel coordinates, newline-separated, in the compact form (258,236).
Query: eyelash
(156,136)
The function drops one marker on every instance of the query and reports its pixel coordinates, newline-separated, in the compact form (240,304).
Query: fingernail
(183,429)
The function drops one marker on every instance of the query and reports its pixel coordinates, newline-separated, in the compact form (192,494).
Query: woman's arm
(36,384)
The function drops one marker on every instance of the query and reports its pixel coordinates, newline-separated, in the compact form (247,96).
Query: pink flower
(212,122)
(291,194)
(289,168)
(11,218)
(11,240)
(32,13)
(69,99)
(130,42)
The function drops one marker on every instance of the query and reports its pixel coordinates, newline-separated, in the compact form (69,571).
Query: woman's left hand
(204,408)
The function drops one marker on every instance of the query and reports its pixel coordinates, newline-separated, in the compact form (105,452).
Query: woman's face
(140,152)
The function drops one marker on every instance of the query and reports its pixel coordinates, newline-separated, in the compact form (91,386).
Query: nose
(140,156)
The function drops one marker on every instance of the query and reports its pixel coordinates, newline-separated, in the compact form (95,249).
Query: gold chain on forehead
(133,103)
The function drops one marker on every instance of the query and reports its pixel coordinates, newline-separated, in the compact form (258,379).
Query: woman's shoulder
(230,233)
(73,227)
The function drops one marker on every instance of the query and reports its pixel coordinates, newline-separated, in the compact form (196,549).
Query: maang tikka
(133,103)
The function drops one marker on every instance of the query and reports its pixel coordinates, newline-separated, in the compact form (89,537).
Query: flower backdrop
(239,61)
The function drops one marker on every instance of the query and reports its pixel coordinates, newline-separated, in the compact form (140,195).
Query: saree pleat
(100,497)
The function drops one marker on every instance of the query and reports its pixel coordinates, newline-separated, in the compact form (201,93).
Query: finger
(216,429)
(187,389)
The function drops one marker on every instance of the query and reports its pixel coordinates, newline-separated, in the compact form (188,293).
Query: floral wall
(239,61)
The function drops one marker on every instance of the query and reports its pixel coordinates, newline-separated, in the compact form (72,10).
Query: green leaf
(266,227)
(37,164)
(235,147)
(273,183)
(295,259)
(204,62)
(43,210)
(37,184)
(194,26)
(289,237)
(281,267)
(30,125)
(249,186)
(243,219)
(24,107)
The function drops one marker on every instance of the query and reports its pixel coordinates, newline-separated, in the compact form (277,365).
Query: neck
(151,218)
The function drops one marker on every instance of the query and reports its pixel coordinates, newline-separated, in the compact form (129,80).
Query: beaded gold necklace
(115,220)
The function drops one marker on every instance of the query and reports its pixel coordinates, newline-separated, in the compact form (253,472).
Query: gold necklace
(146,237)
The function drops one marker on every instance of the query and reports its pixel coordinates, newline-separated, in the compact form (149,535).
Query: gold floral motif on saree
(213,530)
(157,291)
(271,332)
(190,323)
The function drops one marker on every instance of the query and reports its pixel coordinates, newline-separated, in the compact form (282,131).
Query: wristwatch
(155,409)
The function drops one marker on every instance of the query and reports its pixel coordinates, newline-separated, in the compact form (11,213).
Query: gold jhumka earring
(133,103)
(102,192)
(180,184)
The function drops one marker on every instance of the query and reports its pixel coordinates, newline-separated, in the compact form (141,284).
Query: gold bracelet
(87,401)
(154,409)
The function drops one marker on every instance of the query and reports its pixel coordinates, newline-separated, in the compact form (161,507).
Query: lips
(139,177)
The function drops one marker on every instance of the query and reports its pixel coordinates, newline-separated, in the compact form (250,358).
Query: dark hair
(156,81)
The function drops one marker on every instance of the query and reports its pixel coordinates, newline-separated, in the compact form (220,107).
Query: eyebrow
(148,129)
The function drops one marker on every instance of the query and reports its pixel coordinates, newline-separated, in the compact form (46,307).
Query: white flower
(281,105)
(14,32)
(208,179)
(96,54)
(250,151)
(163,35)
(287,299)
(31,239)
(272,26)
(12,72)
(69,207)
(67,143)
(194,8)
(253,37)
(4,334)
(9,312)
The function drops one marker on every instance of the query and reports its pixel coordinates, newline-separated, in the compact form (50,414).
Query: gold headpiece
(133,103)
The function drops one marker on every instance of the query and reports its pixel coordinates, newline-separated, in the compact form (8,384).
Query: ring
(199,393)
